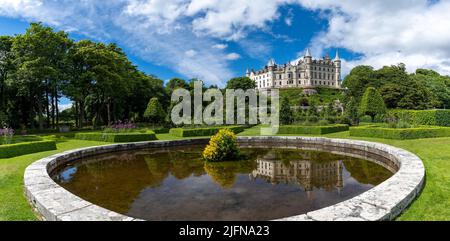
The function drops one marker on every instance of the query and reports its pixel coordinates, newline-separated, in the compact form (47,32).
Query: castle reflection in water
(305,173)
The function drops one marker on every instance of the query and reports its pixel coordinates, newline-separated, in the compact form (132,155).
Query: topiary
(222,147)
(372,104)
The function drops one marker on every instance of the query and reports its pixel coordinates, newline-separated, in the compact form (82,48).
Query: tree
(5,67)
(372,104)
(358,80)
(39,58)
(155,113)
(243,83)
(176,83)
(286,115)
(351,111)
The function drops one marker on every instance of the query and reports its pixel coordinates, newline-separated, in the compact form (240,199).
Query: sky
(215,40)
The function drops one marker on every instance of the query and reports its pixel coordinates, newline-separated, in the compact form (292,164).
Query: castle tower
(338,64)
(308,67)
(247,74)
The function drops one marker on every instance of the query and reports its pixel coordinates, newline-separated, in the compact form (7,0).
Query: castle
(306,73)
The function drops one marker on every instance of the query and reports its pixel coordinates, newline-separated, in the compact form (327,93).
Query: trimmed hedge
(117,137)
(316,130)
(161,130)
(19,149)
(209,131)
(400,134)
(425,117)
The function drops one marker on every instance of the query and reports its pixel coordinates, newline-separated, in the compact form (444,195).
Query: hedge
(425,117)
(117,137)
(209,131)
(161,130)
(316,130)
(19,149)
(400,134)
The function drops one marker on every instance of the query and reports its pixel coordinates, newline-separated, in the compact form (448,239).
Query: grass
(432,204)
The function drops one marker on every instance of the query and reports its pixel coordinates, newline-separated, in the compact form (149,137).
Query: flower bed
(19,149)
(316,130)
(400,133)
(117,137)
(208,131)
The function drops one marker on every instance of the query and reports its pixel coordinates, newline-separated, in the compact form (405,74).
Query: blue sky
(215,40)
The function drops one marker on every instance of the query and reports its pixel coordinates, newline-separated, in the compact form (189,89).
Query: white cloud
(177,33)
(386,32)
(233,56)
(220,46)
(190,53)
(63,107)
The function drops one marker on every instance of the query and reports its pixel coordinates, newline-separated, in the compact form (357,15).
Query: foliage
(421,90)
(19,149)
(116,137)
(372,103)
(399,133)
(121,127)
(243,83)
(6,135)
(422,117)
(222,147)
(318,130)
(206,131)
(286,115)
(351,112)
(155,113)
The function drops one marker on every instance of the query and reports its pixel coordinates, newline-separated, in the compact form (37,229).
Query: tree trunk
(40,116)
(53,111)
(57,108)
(108,111)
(47,108)
(81,106)
(77,114)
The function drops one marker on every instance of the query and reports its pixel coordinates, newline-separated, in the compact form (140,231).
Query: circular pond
(175,184)
(281,178)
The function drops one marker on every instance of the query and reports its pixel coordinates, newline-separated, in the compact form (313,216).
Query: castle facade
(306,73)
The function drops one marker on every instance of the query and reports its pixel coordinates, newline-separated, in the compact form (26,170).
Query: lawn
(433,203)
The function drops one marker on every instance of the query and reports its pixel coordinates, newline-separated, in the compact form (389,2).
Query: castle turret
(308,67)
(247,73)
(338,65)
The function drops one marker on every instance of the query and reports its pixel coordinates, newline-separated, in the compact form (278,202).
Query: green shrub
(372,103)
(19,149)
(400,134)
(207,131)
(316,130)
(117,137)
(424,117)
(222,147)
(161,130)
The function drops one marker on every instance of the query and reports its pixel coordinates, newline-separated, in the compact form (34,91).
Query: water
(175,184)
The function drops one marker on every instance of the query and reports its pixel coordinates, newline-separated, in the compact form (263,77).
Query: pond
(175,184)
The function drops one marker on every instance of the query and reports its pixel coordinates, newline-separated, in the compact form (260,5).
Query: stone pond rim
(383,202)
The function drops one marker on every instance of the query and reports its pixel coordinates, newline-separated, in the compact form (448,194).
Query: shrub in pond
(222,147)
